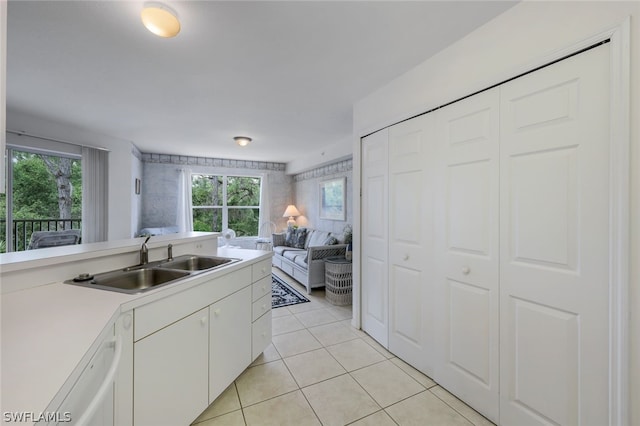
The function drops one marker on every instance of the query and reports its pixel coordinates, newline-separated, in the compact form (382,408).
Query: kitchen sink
(140,278)
(190,262)
(132,281)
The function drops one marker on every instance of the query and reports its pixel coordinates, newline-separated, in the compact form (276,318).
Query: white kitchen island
(52,330)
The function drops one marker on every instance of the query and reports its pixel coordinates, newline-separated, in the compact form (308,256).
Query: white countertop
(47,330)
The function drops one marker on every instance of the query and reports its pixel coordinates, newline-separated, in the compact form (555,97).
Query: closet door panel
(375,242)
(554,243)
(410,241)
(467,238)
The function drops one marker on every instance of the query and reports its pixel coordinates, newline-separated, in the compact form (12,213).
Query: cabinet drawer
(261,288)
(261,306)
(156,315)
(261,269)
(261,335)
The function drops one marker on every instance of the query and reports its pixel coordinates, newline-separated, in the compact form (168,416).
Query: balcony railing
(21,229)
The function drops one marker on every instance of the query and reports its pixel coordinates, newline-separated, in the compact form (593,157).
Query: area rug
(283,295)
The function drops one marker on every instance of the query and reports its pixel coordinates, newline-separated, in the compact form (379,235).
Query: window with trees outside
(226,202)
(44,193)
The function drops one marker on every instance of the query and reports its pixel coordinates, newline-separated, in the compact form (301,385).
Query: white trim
(619,203)
(620,191)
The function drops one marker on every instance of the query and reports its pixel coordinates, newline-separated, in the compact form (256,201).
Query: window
(44,193)
(226,202)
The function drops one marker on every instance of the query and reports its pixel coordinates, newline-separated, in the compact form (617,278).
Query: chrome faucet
(144,252)
(170,252)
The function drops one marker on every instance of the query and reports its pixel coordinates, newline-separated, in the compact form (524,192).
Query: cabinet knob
(203,320)
(405,257)
(264,306)
(466,270)
(264,269)
(264,288)
(216,312)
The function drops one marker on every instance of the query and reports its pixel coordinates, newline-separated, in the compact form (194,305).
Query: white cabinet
(191,345)
(170,373)
(261,308)
(229,340)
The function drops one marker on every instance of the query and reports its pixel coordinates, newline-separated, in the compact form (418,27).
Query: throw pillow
(278,239)
(289,237)
(331,240)
(300,238)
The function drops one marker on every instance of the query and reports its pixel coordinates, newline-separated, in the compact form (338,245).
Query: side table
(338,280)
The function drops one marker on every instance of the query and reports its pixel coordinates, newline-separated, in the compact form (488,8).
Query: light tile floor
(319,370)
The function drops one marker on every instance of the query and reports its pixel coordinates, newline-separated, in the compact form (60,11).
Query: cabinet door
(170,373)
(230,340)
(411,241)
(375,237)
(467,251)
(554,243)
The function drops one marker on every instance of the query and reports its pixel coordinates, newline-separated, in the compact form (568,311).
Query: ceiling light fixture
(242,140)
(160,19)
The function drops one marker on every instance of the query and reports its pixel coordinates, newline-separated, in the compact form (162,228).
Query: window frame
(224,207)
(34,148)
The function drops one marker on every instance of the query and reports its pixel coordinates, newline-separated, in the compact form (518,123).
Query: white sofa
(306,263)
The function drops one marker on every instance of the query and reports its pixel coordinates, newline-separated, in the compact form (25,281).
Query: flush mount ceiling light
(160,19)
(242,140)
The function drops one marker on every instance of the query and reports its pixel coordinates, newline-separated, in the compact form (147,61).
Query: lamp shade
(291,211)
(160,20)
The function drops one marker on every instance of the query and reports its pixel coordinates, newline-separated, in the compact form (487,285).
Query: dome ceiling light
(242,140)
(160,19)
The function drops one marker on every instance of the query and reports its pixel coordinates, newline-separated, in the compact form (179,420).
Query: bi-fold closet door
(467,250)
(498,274)
(397,239)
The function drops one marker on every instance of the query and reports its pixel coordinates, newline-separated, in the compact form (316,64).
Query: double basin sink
(140,278)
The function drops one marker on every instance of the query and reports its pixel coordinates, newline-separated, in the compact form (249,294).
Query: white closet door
(411,241)
(467,251)
(375,239)
(554,244)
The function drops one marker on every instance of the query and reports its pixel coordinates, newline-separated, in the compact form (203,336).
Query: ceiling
(284,73)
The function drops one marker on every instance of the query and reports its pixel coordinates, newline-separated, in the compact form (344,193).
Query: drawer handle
(405,257)
(264,307)
(264,288)
(466,270)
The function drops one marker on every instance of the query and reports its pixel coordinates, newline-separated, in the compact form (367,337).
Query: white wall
(160,185)
(307,195)
(120,164)
(504,47)
(136,199)
(327,154)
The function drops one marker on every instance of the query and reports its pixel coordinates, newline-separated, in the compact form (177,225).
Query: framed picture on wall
(333,199)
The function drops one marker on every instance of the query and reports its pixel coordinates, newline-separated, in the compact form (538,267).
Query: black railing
(21,229)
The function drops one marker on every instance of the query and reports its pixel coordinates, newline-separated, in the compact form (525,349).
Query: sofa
(300,252)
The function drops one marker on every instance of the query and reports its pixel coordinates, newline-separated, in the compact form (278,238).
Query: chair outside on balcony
(43,239)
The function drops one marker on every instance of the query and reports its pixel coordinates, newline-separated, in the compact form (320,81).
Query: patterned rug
(283,295)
